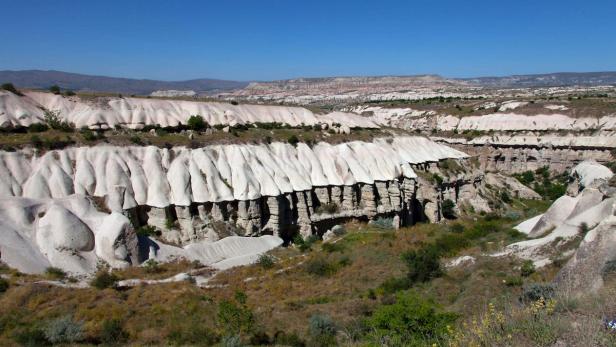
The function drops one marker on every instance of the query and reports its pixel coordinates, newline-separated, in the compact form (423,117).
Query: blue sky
(276,39)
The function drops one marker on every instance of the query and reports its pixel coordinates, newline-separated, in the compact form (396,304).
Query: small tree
(527,269)
(197,123)
(55,89)
(103,279)
(293,140)
(11,88)
(423,264)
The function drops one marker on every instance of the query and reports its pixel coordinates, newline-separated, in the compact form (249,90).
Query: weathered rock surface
(583,273)
(568,217)
(107,112)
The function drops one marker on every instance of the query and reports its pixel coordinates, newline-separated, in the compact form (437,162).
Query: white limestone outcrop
(108,112)
(68,233)
(132,176)
(567,217)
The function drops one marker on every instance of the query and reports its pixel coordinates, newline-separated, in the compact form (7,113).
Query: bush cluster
(104,279)
(321,267)
(148,231)
(266,261)
(196,122)
(540,181)
(64,330)
(409,321)
(52,118)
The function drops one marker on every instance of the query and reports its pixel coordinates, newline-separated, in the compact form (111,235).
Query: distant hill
(557,79)
(78,82)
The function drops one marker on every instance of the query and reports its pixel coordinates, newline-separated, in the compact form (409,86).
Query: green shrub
(197,123)
(36,141)
(304,245)
(234,317)
(55,273)
(170,224)
(322,329)
(37,128)
(513,281)
(149,231)
(583,229)
(436,178)
(448,209)
(383,222)
(449,244)
(55,89)
(30,337)
(136,140)
(52,118)
(395,284)
(526,177)
(505,197)
(266,261)
(535,291)
(151,266)
(69,93)
(345,260)
(293,140)
(103,279)
(11,88)
(332,247)
(410,321)
(113,332)
(527,269)
(456,228)
(64,330)
(88,135)
(320,267)
(423,264)
(4,285)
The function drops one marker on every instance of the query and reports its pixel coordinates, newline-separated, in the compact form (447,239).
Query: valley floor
(333,293)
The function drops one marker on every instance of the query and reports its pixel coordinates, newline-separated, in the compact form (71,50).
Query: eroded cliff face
(217,191)
(512,159)
(398,202)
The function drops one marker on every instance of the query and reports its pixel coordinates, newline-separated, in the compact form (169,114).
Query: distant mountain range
(557,79)
(40,79)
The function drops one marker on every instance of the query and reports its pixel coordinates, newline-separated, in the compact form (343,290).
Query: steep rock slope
(207,194)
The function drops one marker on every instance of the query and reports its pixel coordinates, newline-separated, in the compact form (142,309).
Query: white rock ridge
(107,112)
(132,176)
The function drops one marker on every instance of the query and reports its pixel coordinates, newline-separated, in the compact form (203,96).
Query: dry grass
(125,137)
(283,298)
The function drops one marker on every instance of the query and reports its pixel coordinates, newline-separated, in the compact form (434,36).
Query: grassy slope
(284,297)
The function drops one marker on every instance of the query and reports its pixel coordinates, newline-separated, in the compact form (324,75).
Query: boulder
(116,241)
(583,272)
